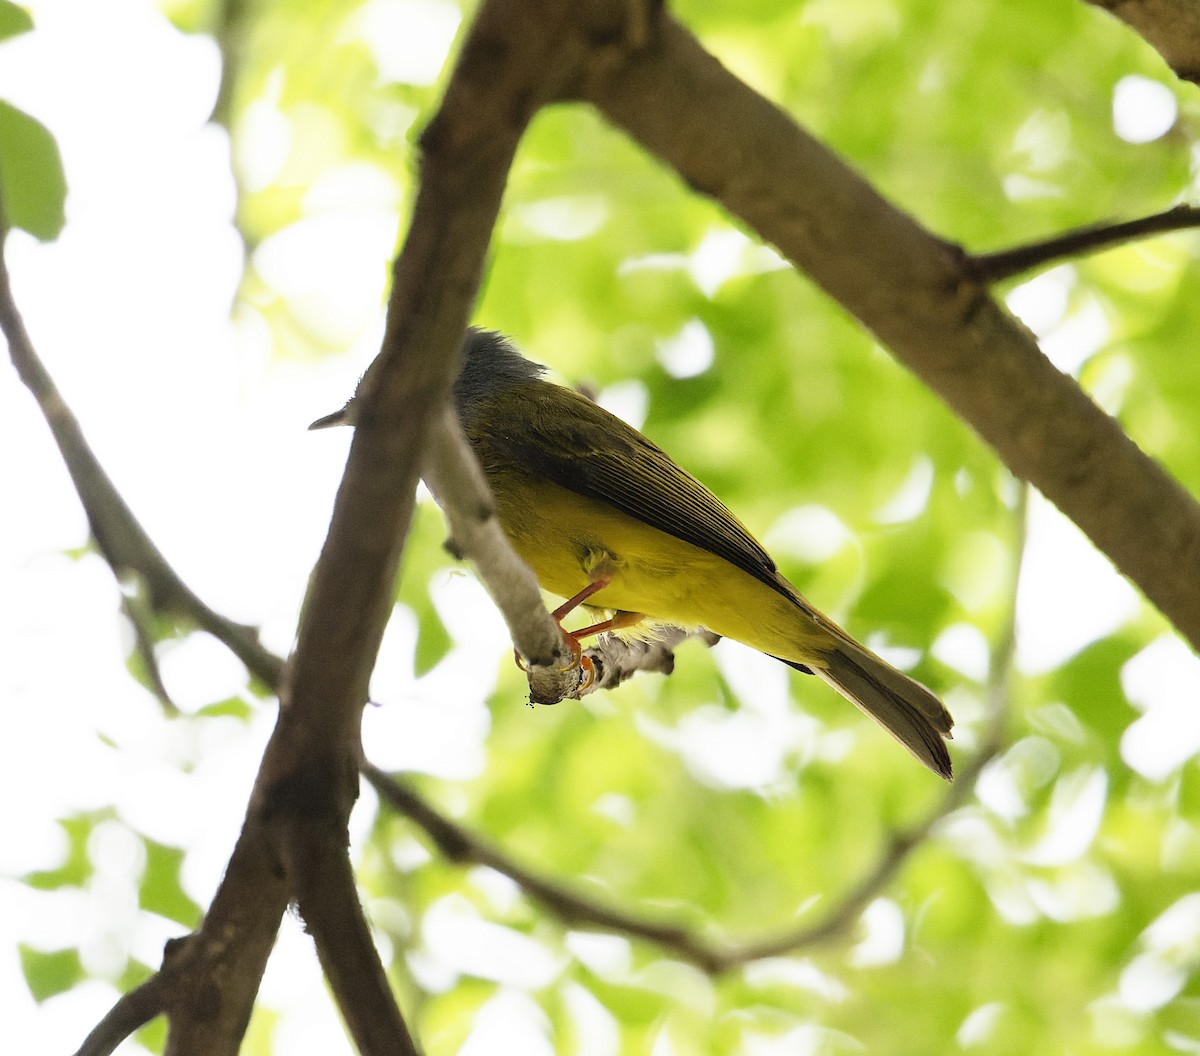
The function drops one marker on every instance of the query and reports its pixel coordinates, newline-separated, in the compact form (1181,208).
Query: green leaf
(161,891)
(32,181)
(232,707)
(76,867)
(47,974)
(14,20)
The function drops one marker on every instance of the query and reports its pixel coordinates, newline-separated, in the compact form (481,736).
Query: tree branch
(917,294)
(503,74)
(131,1012)
(215,972)
(459,844)
(121,539)
(1007,263)
(1170,27)
(458,484)
(319,862)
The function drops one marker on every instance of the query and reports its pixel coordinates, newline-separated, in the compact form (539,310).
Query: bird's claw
(588,667)
(584,663)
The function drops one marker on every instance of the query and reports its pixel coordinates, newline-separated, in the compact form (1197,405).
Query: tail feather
(901,705)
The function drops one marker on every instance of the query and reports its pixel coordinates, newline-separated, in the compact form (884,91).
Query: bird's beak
(340,417)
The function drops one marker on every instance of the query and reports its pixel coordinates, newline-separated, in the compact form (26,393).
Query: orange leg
(620,619)
(571,604)
(563,610)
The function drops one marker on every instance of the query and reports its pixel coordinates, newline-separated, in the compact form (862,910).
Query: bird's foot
(578,659)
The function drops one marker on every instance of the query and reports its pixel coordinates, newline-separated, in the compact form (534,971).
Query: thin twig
(119,535)
(454,477)
(459,844)
(143,637)
(131,1012)
(1007,263)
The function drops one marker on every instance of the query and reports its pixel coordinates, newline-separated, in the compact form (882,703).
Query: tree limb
(714,955)
(918,295)
(215,972)
(503,74)
(131,1012)
(1170,27)
(1008,263)
(458,484)
(118,534)
(324,882)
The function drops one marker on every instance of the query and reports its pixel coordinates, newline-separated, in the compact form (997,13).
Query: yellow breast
(572,540)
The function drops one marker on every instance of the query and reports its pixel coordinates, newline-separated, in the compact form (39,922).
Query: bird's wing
(585,449)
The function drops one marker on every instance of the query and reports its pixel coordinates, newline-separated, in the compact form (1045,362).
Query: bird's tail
(901,705)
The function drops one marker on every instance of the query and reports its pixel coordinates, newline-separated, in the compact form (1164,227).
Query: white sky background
(130,312)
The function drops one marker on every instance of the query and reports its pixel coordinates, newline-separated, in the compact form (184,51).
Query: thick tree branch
(1170,27)
(918,295)
(215,972)
(1008,263)
(504,73)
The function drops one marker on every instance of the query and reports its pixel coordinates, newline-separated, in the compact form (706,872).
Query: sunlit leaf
(161,891)
(14,20)
(50,973)
(31,174)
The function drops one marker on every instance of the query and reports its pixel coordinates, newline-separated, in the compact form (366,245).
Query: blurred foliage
(1054,911)
(13,20)
(50,973)
(32,183)
(33,188)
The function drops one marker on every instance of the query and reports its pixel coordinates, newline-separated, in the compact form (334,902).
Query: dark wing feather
(566,438)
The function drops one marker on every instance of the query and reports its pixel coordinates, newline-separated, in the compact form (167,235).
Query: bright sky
(130,311)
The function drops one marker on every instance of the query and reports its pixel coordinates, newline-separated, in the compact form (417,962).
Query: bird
(604,517)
